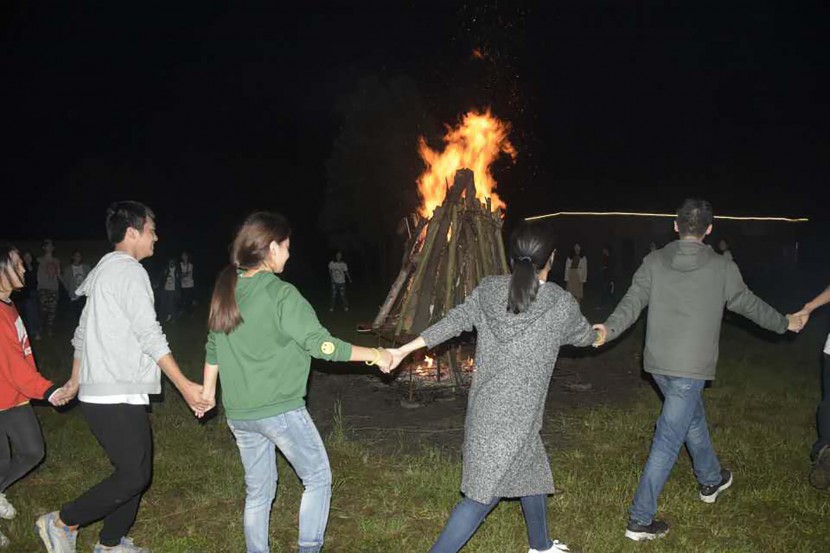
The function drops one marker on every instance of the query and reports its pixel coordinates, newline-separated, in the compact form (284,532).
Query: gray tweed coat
(515,354)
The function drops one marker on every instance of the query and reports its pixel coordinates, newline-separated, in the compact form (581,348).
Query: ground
(396,468)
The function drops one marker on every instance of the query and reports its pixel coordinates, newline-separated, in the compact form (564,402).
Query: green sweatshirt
(264,363)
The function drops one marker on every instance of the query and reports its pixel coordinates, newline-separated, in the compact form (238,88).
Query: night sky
(208,110)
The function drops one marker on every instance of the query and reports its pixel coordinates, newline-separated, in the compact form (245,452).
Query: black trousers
(124,433)
(823,411)
(21,444)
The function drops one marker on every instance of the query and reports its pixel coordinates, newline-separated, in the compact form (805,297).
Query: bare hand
(385,361)
(192,394)
(602,335)
(397,357)
(60,397)
(71,389)
(797,321)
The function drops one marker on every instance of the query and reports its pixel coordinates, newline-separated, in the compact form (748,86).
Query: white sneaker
(4,541)
(7,510)
(126,546)
(557,547)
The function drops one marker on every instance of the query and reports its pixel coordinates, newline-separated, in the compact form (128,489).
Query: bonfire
(457,239)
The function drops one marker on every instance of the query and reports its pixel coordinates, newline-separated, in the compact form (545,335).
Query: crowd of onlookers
(50,287)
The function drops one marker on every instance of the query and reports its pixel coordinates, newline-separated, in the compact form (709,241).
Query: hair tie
(525,258)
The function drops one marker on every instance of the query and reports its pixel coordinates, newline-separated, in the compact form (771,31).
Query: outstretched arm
(804,315)
(629,308)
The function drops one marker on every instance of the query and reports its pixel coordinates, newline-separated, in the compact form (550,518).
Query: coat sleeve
(583,269)
(629,308)
(299,321)
(19,369)
(577,330)
(741,300)
(461,318)
(80,333)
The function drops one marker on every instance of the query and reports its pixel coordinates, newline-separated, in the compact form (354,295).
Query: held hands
(387,360)
(64,394)
(193,395)
(602,335)
(797,321)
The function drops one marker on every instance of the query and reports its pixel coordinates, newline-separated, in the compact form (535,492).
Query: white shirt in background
(338,270)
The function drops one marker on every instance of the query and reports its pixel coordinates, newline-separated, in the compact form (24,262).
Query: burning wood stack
(446,257)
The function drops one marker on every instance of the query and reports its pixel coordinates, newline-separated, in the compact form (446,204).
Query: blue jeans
(468,515)
(823,411)
(297,438)
(682,420)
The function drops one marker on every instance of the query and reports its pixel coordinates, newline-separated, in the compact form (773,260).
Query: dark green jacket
(686,286)
(264,363)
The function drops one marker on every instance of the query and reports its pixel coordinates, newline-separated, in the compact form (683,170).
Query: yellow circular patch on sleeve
(327,348)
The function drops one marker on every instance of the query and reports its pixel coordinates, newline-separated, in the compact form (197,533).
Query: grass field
(761,416)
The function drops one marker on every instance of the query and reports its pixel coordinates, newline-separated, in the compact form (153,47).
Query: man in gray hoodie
(119,349)
(685,286)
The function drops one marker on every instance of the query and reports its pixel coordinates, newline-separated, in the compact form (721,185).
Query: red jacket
(19,378)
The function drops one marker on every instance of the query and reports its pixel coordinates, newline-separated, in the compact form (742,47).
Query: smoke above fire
(475,143)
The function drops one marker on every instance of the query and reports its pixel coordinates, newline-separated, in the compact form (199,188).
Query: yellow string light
(669,215)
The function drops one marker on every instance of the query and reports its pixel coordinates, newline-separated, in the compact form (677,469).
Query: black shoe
(820,475)
(638,532)
(708,494)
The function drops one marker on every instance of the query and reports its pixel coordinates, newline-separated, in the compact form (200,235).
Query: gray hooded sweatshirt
(119,339)
(686,286)
(515,354)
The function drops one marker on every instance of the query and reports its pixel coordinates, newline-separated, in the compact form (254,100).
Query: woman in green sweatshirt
(263,334)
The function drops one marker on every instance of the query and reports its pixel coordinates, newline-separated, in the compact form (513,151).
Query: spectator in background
(187,283)
(607,278)
(724,250)
(73,276)
(48,279)
(169,283)
(652,247)
(576,272)
(339,272)
(27,297)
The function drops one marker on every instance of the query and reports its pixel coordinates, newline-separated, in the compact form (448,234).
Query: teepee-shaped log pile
(444,260)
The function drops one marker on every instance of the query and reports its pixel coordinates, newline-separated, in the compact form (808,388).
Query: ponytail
(249,250)
(531,249)
(224,312)
(524,285)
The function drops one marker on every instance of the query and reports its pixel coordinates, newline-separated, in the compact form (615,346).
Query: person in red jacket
(20,381)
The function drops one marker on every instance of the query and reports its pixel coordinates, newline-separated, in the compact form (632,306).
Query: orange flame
(474,144)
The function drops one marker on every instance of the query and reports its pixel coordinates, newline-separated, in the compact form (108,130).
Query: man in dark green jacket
(685,286)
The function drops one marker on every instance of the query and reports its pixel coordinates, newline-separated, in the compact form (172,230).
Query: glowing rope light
(670,215)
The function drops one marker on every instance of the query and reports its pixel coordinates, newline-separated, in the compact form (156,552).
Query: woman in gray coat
(521,321)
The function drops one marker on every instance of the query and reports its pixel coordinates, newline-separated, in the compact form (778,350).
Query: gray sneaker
(7,510)
(820,475)
(57,537)
(126,546)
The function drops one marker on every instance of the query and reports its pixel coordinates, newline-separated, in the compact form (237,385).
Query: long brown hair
(248,251)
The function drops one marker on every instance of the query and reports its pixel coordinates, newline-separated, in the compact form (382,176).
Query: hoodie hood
(112,259)
(505,324)
(685,255)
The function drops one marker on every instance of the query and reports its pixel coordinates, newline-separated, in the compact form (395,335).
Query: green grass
(760,412)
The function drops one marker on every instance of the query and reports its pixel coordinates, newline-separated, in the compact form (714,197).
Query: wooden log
(483,249)
(406,269)
(405,319)
(452,357)
(452,253)
(505,269)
